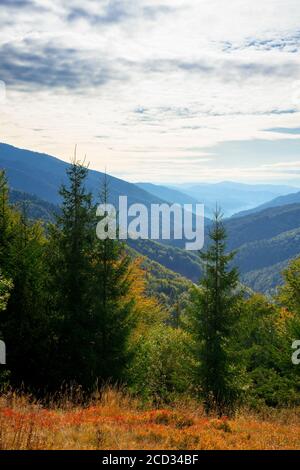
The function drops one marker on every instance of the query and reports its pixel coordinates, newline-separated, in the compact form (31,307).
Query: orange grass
(115,421)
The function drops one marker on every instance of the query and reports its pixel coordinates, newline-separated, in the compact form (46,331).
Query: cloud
(51,66)
(174,74)
(288,44)
(118,11)
(226,70)
(17,3)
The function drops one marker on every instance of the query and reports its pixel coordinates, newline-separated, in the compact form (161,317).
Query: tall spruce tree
(113,304)
(23,321)
(69,250)
(7,223)
(214,314)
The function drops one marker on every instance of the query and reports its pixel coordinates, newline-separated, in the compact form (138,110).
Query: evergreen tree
(23,323)
(70,246)
(7,224)
(113,313)
(214,314)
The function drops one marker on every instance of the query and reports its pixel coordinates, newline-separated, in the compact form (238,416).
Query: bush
(163,365)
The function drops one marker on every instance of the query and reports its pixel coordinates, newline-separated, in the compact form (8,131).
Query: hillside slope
(42,175)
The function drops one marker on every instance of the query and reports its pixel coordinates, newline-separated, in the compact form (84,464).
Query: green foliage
(88,293)
(113,306)
(213,314)
(183,262)
(35,208)
(168,287)
(23,323)
(263,345)
(77,309)
(5,288)
(289,294)
(69,291)
(163,365)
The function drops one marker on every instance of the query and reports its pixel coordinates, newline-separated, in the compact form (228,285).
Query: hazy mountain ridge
(233,197)
(293,198)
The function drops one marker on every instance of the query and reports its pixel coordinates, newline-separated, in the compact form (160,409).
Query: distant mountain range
(233,197)
(168,194)
(277,202)
(266,238)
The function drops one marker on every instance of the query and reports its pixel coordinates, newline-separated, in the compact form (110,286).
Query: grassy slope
(117,422)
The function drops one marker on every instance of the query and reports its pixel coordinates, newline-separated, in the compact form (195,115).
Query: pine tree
(70,246)
(214,314)
(23,322)
(7,223)
(113,313)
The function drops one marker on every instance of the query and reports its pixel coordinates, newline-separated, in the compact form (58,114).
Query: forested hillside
(287,199)
(266,242)
(94,311)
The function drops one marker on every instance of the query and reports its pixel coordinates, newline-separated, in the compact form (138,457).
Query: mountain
(262,225)
(168,194)
(293,198)
(34,207)
(42,175)
(186,263)
(265,241)
(233,197)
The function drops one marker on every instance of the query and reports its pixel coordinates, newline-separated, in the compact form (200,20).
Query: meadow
(113,420)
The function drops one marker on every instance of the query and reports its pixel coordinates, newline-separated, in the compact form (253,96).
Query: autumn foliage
(113,420)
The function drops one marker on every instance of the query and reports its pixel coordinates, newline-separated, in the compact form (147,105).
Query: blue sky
(156,90)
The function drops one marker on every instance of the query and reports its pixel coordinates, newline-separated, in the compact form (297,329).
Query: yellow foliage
(147,309)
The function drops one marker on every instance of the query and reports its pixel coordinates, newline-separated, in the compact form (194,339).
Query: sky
(166,91)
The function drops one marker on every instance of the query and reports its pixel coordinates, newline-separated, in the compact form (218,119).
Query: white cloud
(158,76)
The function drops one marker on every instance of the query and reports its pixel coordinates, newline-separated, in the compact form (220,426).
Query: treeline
(70,302)
(77,310)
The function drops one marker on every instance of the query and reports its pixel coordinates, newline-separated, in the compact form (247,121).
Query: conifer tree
(70,246)
(7,221)
(113,313)
(214,314)
(23,322)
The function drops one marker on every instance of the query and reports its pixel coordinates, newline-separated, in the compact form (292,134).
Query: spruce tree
(24,320)
(23,323)
(113,313)
(70,246)
(214,314)
(7,223)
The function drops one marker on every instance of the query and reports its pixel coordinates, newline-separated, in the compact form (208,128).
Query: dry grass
(113,420)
